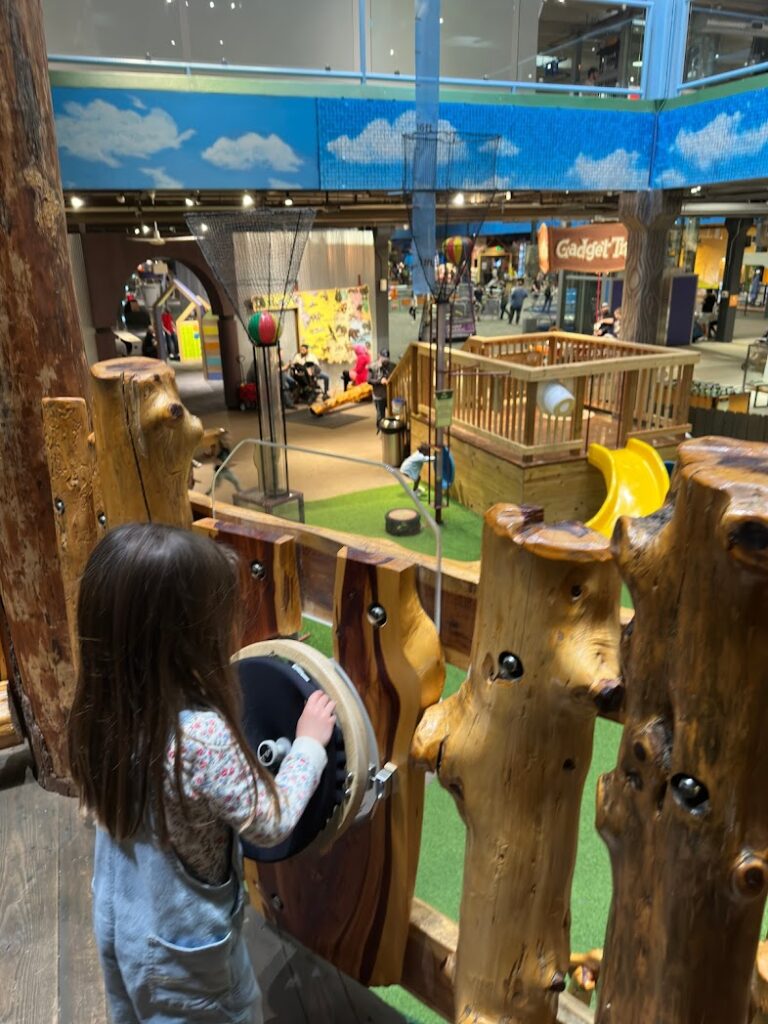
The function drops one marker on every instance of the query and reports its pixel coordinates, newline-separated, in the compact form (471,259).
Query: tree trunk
(145,440)
(685,812)
(41,355)
(513,746)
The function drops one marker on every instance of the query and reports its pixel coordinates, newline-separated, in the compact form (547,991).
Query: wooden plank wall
(717,423)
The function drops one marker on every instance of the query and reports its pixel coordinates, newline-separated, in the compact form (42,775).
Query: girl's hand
(318,718)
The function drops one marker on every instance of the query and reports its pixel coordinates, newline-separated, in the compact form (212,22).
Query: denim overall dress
(171,946)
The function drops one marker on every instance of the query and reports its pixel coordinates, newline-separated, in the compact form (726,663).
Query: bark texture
(685,811)
(41,355)
(513,747)
(145,440)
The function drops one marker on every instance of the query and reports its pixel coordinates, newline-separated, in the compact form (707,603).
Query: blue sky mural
(143,139)
(717,140)
(111,138)
(362,142)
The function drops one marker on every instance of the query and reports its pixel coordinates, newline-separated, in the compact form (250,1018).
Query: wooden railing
(502,386)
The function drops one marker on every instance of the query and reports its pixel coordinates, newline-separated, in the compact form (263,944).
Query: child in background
(158,756)
(411,467)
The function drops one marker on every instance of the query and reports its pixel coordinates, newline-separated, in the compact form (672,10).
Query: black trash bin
(392,441)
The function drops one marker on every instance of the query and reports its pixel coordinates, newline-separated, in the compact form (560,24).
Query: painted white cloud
(139,104)
(505,148)
(619,170)
(160,179)
(721,136)
(102,133)
(282,183)
(671,178)
(253,150)
(381,141)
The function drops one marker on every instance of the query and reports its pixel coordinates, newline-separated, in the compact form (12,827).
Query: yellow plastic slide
(637,482)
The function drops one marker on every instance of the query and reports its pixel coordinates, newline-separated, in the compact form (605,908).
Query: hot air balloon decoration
(264,329)
(456,249)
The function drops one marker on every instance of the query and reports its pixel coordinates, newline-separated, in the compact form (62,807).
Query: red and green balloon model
(264,329)
(456,248)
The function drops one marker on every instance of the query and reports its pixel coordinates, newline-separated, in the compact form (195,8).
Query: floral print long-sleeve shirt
(221,794)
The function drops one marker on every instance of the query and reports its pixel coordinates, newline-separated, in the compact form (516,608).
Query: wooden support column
(685,813)
(41,355)
(352,904)
(145,439)
(648,217)
(513,747)
(272,595)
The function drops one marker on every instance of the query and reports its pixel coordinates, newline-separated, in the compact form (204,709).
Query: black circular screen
(274,694)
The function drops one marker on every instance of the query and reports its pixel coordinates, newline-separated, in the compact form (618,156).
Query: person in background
(517,297)
(359,372)
(412,466)
(158,756)
(504,300)
(378,376)
(592,77)
(149,346)
(305,358)
(223,451)
(169,334)
(547,304)
(708,314)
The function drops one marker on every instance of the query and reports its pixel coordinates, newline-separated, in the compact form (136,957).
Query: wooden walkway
(49,968)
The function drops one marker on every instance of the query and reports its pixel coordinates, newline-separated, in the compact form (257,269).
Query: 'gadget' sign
(596,248)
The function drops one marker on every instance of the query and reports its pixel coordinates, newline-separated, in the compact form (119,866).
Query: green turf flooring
(363,512)
(442,849)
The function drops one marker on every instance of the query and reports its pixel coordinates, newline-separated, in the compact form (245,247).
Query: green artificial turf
(363,512)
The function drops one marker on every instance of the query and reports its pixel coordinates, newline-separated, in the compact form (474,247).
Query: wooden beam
(41,355)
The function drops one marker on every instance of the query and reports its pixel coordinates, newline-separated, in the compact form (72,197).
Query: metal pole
(442,320)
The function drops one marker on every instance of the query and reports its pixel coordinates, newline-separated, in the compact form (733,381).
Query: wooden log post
(351,904)
(41,355)
(685,811)
(145,440)
(513,747)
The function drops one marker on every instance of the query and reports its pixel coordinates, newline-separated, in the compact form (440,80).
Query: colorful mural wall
(331,321)
(143,139)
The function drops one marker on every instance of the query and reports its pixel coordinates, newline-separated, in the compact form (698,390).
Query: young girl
(158,756)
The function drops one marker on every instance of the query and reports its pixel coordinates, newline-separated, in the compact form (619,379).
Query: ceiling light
(247,199)
(637,63)
(232,5)
(212,3)
(287,201)
(221,42)
(405,227)
(695,190)
(76,202)
(173,42)
(145,229)
(442,21)
(508,195)
(203,228)
(137,231)
(120,199)
(189,201)
(458,199)
(391,53)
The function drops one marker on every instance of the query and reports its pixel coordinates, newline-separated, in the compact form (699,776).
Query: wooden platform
(49,969)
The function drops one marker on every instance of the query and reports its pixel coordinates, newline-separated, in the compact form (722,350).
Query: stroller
(306,387)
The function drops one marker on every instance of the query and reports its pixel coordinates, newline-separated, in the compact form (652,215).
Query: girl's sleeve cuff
(310,750)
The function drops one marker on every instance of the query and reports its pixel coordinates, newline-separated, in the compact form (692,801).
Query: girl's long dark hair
(158,621)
